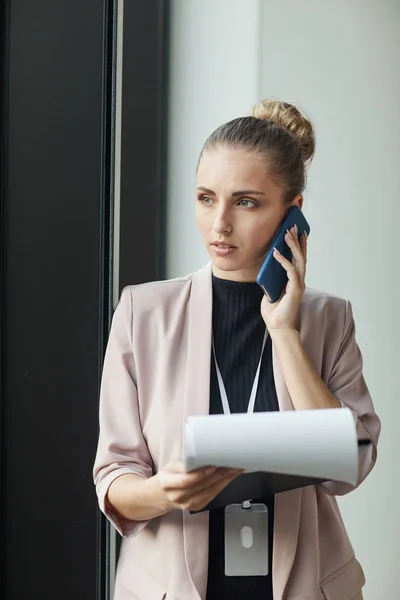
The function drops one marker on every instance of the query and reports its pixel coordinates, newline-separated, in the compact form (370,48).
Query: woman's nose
(222,223)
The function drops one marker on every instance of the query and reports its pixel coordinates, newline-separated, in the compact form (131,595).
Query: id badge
(246,539)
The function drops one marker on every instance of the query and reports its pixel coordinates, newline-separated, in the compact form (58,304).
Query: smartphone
(272,277)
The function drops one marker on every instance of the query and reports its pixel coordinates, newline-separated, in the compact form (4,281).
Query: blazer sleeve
(347,383)
(121,447)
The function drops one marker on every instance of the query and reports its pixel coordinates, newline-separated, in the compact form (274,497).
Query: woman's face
(238,211)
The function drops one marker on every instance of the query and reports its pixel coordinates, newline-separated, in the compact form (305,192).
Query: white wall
(340,60)
(215,76)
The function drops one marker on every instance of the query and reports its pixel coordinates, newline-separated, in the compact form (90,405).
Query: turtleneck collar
(233,291)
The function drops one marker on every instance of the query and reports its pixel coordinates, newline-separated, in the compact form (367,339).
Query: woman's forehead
(234,169)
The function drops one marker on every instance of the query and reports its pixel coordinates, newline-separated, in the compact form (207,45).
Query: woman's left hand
(283,313)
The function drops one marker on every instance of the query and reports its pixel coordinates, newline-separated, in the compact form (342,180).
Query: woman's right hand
(194,490)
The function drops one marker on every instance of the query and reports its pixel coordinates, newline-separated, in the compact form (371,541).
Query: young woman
(160,368)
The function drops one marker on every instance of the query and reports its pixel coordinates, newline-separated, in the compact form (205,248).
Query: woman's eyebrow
(253,192)
(239,193)
(206,190)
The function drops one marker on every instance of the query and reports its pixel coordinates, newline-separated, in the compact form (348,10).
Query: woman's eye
(247,203)
(205,199)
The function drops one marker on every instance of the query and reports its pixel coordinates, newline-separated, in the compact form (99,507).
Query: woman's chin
(227,263)
(234,270)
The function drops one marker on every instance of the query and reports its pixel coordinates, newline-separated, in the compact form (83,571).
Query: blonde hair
(291,118)
(280,132)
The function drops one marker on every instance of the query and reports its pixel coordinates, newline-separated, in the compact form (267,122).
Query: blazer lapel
(197,402)
(287,508)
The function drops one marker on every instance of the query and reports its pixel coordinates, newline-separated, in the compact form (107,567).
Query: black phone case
(272,277)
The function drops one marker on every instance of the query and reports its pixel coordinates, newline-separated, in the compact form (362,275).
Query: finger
(299,262)
(188,498)
(303,245)
(180,481)
(220,476)
(302,241)
(289,267)
(303,249)
(205,496)
(218,486)
(186,494)
(190,483)
(292,240)
(178,466)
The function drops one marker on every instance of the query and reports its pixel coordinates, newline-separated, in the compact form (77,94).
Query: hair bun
(288,116)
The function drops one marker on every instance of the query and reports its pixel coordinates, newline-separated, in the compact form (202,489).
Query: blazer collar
(197,402)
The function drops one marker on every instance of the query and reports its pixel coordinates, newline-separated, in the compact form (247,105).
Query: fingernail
(296,229)
(276,250)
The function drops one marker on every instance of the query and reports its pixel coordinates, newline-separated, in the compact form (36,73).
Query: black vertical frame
(57,209)
(55,280)
(102,589)
(144,141)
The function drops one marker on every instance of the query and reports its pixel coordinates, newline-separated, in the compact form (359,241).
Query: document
(277,450)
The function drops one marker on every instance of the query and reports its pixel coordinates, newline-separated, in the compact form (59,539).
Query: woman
(160,368)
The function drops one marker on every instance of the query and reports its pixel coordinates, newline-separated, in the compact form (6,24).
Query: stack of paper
(277,450)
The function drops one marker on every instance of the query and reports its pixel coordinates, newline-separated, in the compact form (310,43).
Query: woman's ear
(298,201)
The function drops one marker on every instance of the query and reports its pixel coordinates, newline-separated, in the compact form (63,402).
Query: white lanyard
(224,397)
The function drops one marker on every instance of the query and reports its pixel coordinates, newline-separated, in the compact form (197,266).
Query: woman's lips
(223,249)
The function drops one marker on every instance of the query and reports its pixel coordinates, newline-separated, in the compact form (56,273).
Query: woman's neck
(243,275)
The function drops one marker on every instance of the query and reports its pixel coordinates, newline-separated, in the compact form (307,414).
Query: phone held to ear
(272,277)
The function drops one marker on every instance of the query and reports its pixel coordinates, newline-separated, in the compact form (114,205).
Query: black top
(238,330)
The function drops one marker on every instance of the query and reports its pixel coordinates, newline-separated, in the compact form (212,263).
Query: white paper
(311,443)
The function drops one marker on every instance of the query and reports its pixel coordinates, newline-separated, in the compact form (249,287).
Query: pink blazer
(156,373)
